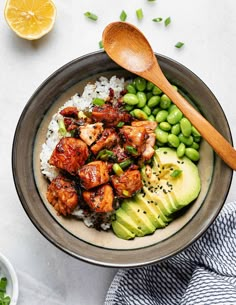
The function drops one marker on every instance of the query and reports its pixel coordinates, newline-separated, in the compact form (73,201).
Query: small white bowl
(7,270)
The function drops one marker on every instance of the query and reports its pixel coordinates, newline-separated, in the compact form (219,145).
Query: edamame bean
(151,118)
(150,86)
(195,145)
(148,95)
(161,136)
(173,140)
(175,87)
(195,133)
(140,114)
(128,107)
(140,83)
(186,127)
(192,154)
(165,101)
(175,129)
(155,111)
(142,99)
(130,99)
(161,116)
(147,110)
(180,150)
(153,101)
(197,138)
(188,141)
(156,91)
(165,126)
(131,89)
(174,116)
(172,107)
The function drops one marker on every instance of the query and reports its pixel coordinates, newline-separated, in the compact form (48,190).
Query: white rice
(100,89)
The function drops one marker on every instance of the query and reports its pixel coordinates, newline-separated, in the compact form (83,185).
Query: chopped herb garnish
(179,44)
(158,19)
(176,173)
(131,150)
(123,16)
(98,101)
(100,44)
(4,299)
(167,21)
(120,124)
(117,169)
(91,16)
(125,163)
(62,128)
(139,13)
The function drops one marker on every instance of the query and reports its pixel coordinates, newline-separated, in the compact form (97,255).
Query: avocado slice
(168,185)
(121,231)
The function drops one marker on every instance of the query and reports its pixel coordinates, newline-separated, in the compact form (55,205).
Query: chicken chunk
(62,195)
(90,132)
(127,184)
(109,115)
(69,155)
(71,112)
(108,140)
(100,199)
(94,174)
(150,126)
(135,137)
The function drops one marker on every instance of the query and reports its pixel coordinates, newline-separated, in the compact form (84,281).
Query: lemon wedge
(30,19)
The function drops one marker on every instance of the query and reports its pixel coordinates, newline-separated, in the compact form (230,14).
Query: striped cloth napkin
(203,274)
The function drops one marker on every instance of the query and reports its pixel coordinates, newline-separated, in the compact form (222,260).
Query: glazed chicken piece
(109,115)
(90,132)
(150,127)
(108,139)
(100,199)
(71,112)
(93,174)
(120,153)
(69,155)
(127,184)
(135,137)
(62,195)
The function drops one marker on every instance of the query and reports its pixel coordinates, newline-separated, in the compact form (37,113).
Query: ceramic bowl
(72,236)
(7,270)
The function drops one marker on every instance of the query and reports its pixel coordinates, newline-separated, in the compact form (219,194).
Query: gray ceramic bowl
(73,237)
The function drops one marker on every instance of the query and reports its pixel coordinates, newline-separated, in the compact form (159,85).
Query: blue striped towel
(203,274)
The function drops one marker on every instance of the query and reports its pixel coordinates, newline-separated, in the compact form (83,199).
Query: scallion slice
(98,101)
(158,19)
(91,16)
(179,44)
(176,173)
(167,21)
(123,16)
(139,13)
(62,128)
(131,150)
(100,44)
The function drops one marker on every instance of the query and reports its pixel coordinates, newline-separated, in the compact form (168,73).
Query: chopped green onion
(151,0)
(4,299)
(131,150)
(98,101)
(62,128)
(176,173)
(126,193)
(100,44)
(125,163)
(139,13)
(123,16)
(120,124)
(105,154)
(117,169)
(158,19)
(167,21)
(91,16)
(3,284)
(179,44)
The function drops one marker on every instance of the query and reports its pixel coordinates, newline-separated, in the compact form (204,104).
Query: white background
(207,27)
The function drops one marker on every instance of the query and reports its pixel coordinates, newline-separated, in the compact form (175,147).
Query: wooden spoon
(128,47)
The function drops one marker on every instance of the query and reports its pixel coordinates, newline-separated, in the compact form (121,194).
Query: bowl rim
(45,234)
(13,277)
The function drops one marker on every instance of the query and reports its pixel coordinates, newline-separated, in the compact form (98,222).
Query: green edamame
(147,110)
(142,99)
(192,154)
(175,129)
(153,101)
(140,114)
(186,127)
(161,116)
(140,83)
(165,101)
(156,91)
(131,89)
(180,150)
(150,86)
(165,126)
(188,141)
(173,140)
(195,133)
(155,111)
(174,116)
(195,145)
(128,107)
(151,118)
(130,99)
(161,136)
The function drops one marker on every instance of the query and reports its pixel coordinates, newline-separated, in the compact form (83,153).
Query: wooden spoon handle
(220,145)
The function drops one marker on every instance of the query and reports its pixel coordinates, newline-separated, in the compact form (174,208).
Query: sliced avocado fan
(168,186)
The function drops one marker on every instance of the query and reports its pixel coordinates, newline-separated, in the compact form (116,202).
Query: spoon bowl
(130,49)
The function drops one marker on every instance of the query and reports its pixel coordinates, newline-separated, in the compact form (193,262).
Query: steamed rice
(99,89)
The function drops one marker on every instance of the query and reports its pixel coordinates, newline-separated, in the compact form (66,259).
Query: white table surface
(207,27)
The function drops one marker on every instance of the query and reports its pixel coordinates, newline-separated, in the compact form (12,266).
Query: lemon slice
(30,19)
